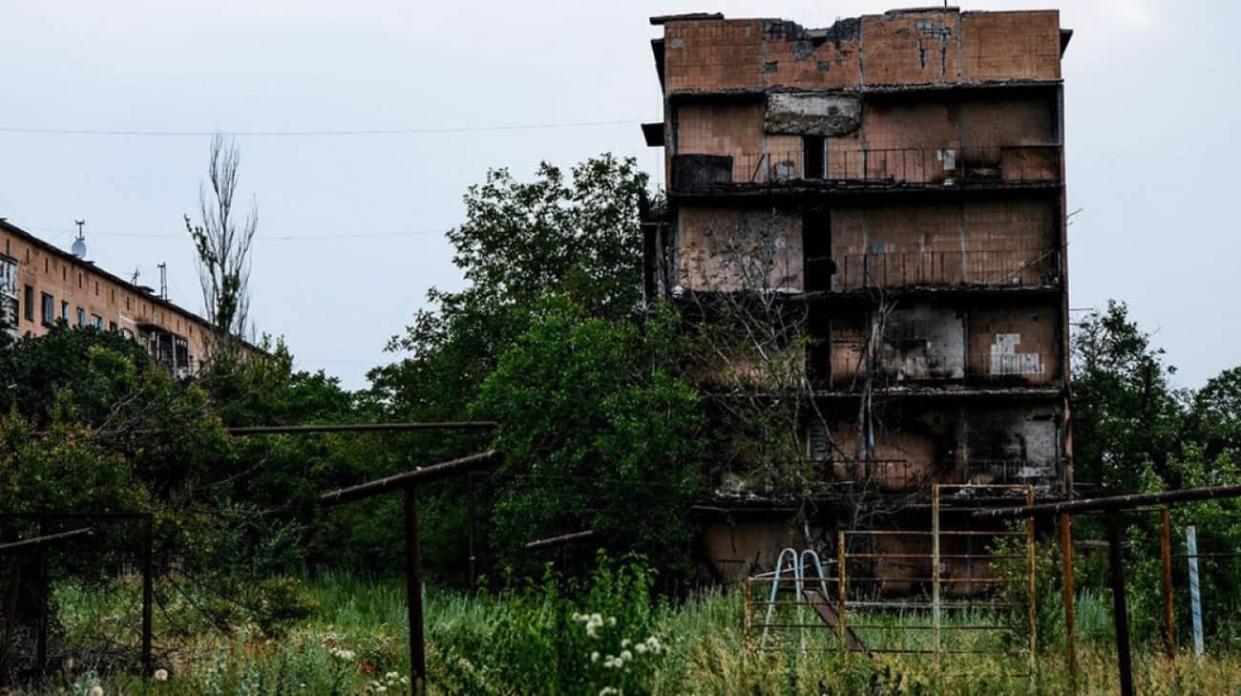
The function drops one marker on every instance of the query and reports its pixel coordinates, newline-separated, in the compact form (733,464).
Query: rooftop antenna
(137,272)
(79,244)
(163,280)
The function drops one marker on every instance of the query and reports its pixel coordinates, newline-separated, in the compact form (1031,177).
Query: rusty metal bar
(359,428)
(1165,557)
(44,611)
(561,539)
(842,589)
(413,594)
(943,532)
(40,541)
(1114,502)
(148,594)
(983,556)
(1120,612)
(936,609)
(427,474)
(1070,617)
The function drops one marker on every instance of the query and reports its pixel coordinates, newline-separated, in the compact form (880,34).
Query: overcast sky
(351,227)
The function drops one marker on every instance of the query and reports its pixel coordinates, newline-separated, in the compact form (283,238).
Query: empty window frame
(47,308)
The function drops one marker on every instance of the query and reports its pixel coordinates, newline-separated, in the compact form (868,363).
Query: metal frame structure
(834,612)
(1112,507)
(107,517)
(408,484)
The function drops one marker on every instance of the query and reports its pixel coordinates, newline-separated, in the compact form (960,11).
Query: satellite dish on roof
(79,244)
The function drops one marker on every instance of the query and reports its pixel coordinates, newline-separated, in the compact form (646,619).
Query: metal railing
(946,166)
(905,476)
(979,267)
(914,366)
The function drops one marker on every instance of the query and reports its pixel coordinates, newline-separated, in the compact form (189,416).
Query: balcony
(871,169)
(928,368)
(997,268)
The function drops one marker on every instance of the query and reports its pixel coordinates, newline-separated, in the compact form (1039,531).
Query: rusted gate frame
(107,517)
(21,548)
(937,606)
(1112,506)
(408,483)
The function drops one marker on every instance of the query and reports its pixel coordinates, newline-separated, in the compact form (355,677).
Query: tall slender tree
(222,242)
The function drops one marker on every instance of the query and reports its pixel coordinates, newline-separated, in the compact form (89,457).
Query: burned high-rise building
(894,183)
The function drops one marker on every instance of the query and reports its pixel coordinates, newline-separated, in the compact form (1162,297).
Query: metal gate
(947,589)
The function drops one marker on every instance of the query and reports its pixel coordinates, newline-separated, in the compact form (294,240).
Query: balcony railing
(878,167)
(908,476)
(896,368)
(982,267)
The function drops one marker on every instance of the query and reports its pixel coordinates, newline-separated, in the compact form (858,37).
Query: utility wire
(314,133)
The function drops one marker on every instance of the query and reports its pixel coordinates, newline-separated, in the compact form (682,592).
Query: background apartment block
(908,164)
(41,285)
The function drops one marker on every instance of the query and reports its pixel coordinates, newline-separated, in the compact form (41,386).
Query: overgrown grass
(536,641)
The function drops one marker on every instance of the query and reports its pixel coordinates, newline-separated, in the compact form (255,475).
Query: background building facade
(41,285)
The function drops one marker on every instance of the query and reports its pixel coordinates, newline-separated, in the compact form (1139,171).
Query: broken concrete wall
(729,249)
(910,48)
(897,48)
(923,342)
(1015,445)
(809,113)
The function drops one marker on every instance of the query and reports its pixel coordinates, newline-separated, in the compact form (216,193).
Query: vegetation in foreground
(609,638)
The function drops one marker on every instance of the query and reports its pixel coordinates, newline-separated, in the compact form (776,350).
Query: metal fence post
(1121,614)
(1165,557)
(1195,597)
(413,593)
(936,606)
(1031,587)
(841,587)
(44,581)
(148,544)
(1070,617)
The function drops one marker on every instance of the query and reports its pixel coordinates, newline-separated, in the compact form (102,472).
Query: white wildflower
(161,675)
(626,643)
(609,691)
(640,648)
(626,655)
(611,620)
(96,690)
(594,656)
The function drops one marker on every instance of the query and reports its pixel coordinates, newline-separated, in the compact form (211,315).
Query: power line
(313,133)
(258,237)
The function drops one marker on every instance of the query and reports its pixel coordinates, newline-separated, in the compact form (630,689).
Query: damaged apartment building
(905,174)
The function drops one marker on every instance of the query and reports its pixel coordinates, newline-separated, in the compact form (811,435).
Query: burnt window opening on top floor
(814,157)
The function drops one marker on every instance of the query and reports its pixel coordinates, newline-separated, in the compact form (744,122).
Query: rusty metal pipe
(1114,502)
(41,541)
(426,474)
(561,539)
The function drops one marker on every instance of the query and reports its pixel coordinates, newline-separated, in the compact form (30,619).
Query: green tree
(599,432)
(1214,420)
(577,234)
(1126,417)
